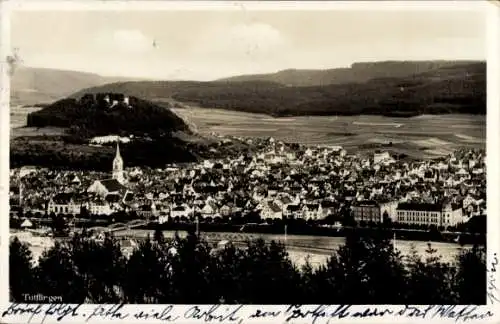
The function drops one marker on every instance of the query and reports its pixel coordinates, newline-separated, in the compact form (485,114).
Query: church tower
(118,166)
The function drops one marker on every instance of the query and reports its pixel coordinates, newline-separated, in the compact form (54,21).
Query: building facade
(366,211)
(429,214)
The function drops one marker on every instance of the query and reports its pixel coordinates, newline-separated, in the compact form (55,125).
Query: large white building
(429,214)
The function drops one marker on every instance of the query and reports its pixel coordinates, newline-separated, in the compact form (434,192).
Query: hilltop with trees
(108,113)
(152,128)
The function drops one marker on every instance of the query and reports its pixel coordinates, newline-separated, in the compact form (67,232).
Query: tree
(101,266)
(147,277)
(429,280)
(21,279)
(228,280)
(359,271)
(192,271)
(59,225)
(365,270)
(158,235)
(270,275)
(56,275)
(471,276)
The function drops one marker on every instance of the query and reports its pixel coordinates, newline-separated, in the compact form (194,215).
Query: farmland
(425,136)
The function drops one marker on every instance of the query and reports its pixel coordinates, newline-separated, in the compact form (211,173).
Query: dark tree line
(68,154)
(396,97)
(366,270)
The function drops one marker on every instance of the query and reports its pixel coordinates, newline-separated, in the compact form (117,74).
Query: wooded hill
(409,90)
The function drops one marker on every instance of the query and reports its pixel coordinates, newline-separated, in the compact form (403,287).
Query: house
(100,207)
(64,203)
(271,210)
(381,157)
(284,201)
(76,180)
(329,207)
(430,176)
(471,200)
(292,211)
(146,210)
(105,187)
(312,212)
(26,224)
(209,209)
(452,215)
(388,209)
(114,200)
(26,170)
(181,211)
(367,211)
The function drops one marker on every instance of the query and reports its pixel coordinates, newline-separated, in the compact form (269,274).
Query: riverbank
(297,228)
(300,248)
(322,231)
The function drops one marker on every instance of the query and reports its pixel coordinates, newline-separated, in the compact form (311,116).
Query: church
(115,185)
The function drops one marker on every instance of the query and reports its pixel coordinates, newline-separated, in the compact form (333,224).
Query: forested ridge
(453,88)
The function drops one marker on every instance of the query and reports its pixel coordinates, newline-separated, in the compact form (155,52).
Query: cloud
(129,41)
(255,40)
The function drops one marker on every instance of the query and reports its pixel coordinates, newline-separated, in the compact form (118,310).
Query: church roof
(112,198)
(112,185)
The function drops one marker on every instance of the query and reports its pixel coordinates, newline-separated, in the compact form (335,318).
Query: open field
(424,136)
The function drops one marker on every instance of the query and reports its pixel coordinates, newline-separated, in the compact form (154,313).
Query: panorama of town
(318,185)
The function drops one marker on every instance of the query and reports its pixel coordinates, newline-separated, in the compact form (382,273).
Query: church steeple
(118,166)
(118,156)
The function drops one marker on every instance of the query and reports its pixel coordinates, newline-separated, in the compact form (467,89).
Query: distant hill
(446,87)
(37,85)
(357,73)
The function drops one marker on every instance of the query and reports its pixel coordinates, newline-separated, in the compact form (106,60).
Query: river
(299,247)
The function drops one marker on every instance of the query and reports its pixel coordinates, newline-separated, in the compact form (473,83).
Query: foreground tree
(470,282)
(147,277)
(430,281)
(21,279)
(359,271)
(365,270)
(101,266)
(192,271)
(269,277)
(56,275)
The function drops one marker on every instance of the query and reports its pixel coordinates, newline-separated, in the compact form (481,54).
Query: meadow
(425,136)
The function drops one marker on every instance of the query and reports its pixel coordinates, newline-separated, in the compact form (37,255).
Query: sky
(206,45)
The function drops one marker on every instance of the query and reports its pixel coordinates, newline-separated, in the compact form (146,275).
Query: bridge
(116,227)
